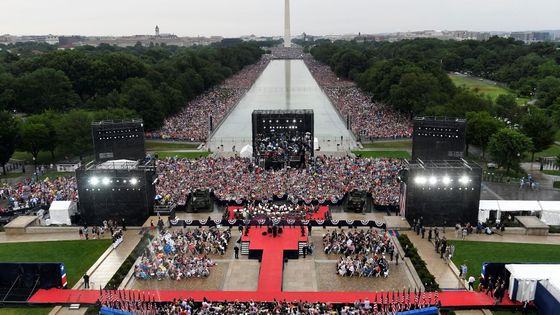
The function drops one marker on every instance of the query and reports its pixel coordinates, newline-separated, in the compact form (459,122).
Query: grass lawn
(552,151)
(384,154)
(188,155)
(26,311)
(399,144)
(169,146)
(77,256)
(550,172)
(475,253)
(10,175)
(484,87)
(42,158)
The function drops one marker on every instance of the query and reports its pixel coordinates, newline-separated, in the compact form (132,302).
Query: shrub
(556,184)
(426,277)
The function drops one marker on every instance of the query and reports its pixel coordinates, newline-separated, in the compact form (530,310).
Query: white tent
(315,143)
(246,151)
(524,277)
(550,212)
(60,212)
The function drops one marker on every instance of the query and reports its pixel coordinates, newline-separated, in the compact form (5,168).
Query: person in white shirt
(471,283)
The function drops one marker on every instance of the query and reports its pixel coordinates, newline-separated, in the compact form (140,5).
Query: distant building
(157,31)
(531,37)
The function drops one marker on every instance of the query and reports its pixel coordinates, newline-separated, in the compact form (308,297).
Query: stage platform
(272,251)
(320,215)
(449,299)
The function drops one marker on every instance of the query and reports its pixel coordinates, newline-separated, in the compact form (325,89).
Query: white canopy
(553,287)
(514,205)
(246,151)
(524,277)
(60,212)
(550,205)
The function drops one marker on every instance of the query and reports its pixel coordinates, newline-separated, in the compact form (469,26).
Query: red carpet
(320,215)
(270,276)
(447,298)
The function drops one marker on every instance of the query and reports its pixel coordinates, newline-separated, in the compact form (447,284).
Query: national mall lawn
(78,256)
(475,253)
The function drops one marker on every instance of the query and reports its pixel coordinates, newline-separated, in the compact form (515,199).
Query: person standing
(123,224)
(430,234)
(423,231)
(86,281)
(304,250)
(236,250)
(471,283)
(397,258)
(81,232)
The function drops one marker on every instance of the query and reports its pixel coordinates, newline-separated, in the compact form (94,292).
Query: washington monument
(287,35)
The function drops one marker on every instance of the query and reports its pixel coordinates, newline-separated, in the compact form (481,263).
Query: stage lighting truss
(445,182)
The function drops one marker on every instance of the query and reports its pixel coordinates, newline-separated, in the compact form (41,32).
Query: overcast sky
(265,17)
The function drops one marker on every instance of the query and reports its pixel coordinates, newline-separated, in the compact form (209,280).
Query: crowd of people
(364,252)
(237,179)
(381,306)
(33,192)
(273,211)
(370,120)
(192,122)
(181,254)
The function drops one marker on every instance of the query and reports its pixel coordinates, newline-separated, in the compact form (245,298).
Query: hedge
(426,277)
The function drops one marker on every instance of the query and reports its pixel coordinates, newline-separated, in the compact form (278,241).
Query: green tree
(508,146)
(74,133)
(49,120)
(8,138)
(480,127)
(506,107)
(34,138)
(539,127)
(44,89)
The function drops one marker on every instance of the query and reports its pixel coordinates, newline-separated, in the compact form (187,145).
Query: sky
(231,18)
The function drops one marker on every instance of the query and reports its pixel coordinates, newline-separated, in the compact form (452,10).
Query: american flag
(63,278)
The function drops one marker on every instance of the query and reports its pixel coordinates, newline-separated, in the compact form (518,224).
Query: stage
(319,215)
(449,299)
(272,251)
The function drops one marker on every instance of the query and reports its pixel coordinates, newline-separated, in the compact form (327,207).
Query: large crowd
(192,122)
(364,252)
(369,120)
(382,306)
(32,192)
(236,179)
(181,254)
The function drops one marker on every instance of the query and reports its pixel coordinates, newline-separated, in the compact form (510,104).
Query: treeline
(412,76)
(67,134)
(154,82)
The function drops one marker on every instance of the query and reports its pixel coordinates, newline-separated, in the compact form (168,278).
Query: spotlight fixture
(446,180)
(433,180)
(420,180)
(133,181)
(94,181)
(105,181)
(464,180)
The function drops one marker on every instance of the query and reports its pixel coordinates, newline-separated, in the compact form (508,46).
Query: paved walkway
(39,237)
(441,271)
(104,268)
